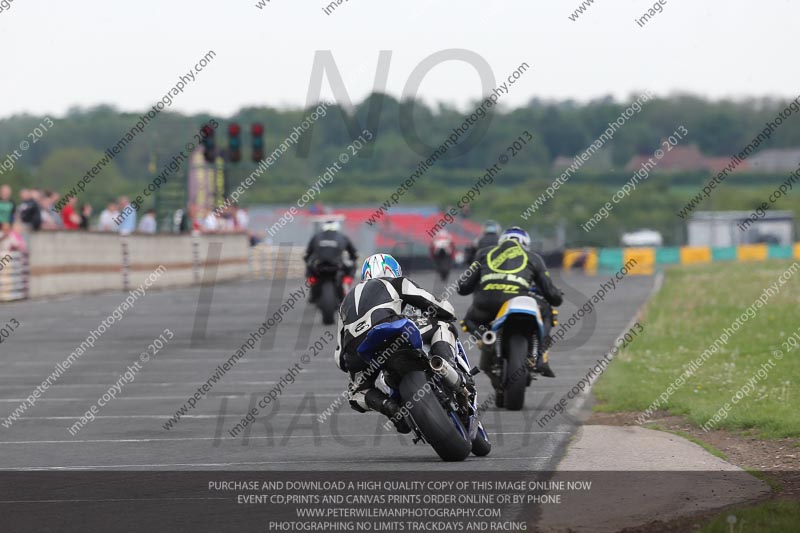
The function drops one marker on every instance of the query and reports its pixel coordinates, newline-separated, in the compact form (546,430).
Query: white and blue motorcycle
(436,402)
(514,338)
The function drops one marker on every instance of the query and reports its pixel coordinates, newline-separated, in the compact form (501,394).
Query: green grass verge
(774,516)
(690,312)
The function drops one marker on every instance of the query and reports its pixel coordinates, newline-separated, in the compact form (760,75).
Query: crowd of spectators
(35,212)
(231,219)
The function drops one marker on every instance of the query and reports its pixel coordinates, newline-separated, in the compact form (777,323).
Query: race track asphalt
(128,433)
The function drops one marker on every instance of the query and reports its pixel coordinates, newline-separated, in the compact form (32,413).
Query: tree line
(404,131)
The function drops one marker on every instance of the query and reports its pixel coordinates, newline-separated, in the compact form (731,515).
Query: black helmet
(490,226)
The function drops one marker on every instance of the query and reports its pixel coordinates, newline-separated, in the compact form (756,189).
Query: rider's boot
(543,360)
(378,401)
(488,363)
(543,366)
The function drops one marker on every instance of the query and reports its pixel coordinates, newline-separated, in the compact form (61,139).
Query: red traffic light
(207,131)
(257,129)
(234,129)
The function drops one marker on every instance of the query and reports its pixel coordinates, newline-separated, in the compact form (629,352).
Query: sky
(58,55)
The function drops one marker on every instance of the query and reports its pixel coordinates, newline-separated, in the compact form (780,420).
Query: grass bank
(749,380)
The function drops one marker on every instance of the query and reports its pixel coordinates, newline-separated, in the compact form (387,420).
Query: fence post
(126,263)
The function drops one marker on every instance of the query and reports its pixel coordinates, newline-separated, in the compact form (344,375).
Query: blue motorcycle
(437,402)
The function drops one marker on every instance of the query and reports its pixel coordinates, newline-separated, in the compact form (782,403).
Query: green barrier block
(727,253)
(609,259)
(780,252)
(668,256)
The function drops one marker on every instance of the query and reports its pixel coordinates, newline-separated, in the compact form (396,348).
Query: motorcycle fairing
(382,335)
(519,305)
(385,334)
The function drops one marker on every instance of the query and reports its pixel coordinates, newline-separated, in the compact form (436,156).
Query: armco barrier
(648,259)
(63,262)
(14,276)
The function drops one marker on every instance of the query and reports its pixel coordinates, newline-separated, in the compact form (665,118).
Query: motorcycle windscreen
(519,305)
(385,335)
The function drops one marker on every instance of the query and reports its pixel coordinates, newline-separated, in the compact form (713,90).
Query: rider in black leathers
(490,237)
(382,297)
(328,246)
(501,273)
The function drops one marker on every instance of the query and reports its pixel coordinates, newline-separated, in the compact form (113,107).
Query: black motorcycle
(443,263)
(328,287)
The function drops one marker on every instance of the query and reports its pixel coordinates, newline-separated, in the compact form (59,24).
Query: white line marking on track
(227,395)
(225,465)
(167,417)
(264,437)
(157,384)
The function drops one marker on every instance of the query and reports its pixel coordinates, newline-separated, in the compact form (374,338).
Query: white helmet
(515,233)
(444,235)
(331,225)
(380,266)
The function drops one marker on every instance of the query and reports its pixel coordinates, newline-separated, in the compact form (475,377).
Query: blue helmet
(380,266)
(518,234)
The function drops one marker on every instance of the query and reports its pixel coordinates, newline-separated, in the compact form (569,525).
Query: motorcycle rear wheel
(444,433)
(327,303)
(515,379)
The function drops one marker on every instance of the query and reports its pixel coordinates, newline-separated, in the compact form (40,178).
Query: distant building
(732,228)
(718,164)
(680,158)
(776,160)
(684,159)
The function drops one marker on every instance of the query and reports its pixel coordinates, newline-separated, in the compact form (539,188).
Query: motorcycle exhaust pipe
(448,373)
(489,338)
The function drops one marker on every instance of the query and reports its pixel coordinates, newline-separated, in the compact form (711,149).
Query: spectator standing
(242,219)
(29,209)
(86,214)
(227,221)
(194,220)
(148,223)
(107,216)
(210,223)
(49,216)
(128,223)
(7,205)
(69,218)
